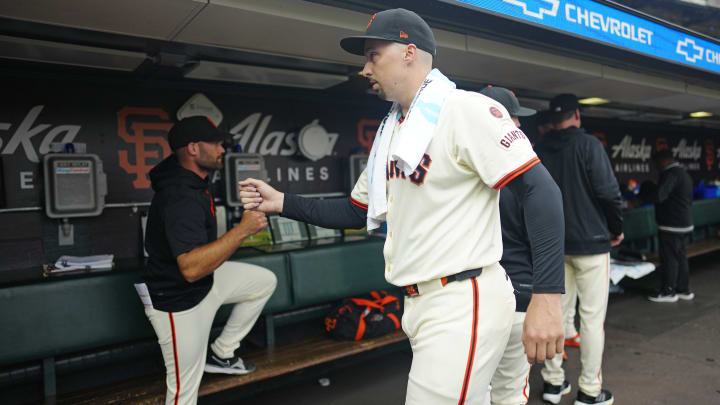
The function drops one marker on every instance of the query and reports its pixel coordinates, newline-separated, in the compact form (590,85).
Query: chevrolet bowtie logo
(690,50)
(554,4)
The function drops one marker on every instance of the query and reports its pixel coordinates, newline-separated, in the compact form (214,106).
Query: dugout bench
(641,230)
(48,322)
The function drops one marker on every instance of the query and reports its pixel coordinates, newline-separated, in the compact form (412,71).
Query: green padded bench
(61,316)
(334,272)
(323,274)
(640,229)
(706,218)
(65,315)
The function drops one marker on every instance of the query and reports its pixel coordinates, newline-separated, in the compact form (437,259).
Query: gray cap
(396,25)
(508,100)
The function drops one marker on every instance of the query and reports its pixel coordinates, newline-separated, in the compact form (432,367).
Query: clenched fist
(258,195)
(543,335)
(253,222)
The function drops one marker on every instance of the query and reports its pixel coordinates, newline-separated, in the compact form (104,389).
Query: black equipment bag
(363,318)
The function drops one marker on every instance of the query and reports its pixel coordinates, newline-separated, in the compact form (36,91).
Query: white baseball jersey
(444,218)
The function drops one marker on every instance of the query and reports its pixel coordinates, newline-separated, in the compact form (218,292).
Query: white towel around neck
(412,141)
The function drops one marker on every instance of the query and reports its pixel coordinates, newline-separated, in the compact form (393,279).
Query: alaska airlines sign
(601,23)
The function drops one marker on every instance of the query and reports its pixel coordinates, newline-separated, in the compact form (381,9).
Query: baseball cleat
(573,341)
(605,397)
(554,393)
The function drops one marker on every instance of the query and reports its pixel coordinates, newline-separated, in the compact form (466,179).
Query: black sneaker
(664,296)
(685,295)
(554,393)
(605,397)
(233,365)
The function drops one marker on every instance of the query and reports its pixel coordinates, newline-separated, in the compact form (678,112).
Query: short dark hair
(662,155)
(560,117)
(542,118)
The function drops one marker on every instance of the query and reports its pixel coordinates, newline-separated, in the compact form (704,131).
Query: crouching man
(187,274)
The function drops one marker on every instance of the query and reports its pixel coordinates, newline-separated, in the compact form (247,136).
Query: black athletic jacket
(591,196)
(181,218)
(673,200)
(533,231)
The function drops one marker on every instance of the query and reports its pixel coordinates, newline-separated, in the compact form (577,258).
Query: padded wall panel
(63,316)
(639,223)
(335,272)
(281,299)
(706,212)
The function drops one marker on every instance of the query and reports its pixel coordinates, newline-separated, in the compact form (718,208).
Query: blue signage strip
(598,22)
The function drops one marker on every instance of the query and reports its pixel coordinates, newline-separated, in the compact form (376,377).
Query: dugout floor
(655,354)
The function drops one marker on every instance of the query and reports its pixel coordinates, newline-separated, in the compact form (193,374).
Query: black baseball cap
(194,129)
(396,25)
(564,102)
(508,100)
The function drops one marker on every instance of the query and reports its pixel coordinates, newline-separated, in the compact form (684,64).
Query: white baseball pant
(183,336)
(590,275)
(569,317)
(458,334)
(510,384)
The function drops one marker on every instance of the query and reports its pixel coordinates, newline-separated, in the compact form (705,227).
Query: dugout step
(270,362)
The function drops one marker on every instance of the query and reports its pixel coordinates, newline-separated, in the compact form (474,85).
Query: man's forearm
(335,213)
(544,221)
(204,259)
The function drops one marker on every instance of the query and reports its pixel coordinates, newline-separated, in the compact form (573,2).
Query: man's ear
(192,148)
(411,53)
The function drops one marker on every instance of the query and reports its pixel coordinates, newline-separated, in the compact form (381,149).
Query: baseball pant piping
(183,336)
(449,365)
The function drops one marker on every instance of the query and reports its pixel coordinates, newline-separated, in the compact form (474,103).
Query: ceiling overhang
(222,31)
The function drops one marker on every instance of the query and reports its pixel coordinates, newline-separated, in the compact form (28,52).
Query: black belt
(413,290)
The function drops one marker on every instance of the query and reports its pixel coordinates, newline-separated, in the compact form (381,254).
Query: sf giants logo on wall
(366,131)
(135,126)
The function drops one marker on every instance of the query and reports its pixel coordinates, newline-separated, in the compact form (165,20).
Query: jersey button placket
(388,267)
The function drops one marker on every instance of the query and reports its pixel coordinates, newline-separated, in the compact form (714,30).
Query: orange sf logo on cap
(403,34)
(371,20)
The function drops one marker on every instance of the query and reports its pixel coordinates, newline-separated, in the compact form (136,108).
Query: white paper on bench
(84,262)
(144,295)
(618,270)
